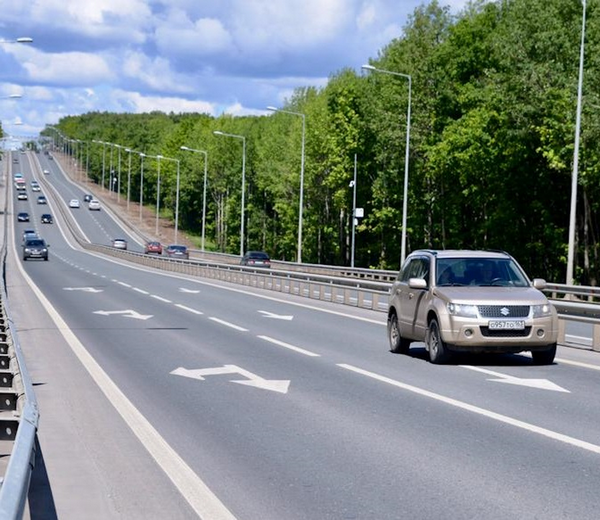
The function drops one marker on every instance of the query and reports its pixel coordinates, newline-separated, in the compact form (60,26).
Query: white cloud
(136,102)
(74,68)
(156,73)
(179,35)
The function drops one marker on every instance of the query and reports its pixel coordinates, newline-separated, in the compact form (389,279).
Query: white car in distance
(94,205)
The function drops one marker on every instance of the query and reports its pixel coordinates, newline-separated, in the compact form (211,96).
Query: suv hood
(491,295)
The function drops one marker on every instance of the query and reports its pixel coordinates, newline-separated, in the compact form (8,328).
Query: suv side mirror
(417,283)
(539,283)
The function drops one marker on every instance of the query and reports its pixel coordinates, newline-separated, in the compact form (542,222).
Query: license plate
(507,324)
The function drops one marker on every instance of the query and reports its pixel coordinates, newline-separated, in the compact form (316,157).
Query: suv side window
(416,268)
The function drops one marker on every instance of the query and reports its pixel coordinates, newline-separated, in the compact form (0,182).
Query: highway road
(165,396)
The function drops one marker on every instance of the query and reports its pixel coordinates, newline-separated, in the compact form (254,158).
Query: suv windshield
(479,272)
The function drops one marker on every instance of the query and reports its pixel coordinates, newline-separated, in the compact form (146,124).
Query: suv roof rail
(501,251)
(431,251)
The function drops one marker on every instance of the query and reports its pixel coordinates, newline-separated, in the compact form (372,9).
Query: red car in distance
(153,248)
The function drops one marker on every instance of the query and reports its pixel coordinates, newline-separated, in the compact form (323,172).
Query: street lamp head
(184,148)
(218,132)
(24,40)
(159,156)
(142,154)
(15,96)
(368,67)
(273,109)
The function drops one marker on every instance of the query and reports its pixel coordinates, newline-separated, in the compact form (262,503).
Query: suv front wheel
(438,351)
(398,344)
(544,357)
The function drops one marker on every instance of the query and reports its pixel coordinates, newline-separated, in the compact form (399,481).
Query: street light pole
(87,160)
(353,213)
(203,190)
(573,212)
(301,204)
(111,183)
(23,39)
(119,175)
(405,201)
(177,204)
(142,155)
(128,150)
(158,158)
(217,132)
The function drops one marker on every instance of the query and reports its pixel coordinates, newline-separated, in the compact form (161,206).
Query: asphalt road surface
(165,396)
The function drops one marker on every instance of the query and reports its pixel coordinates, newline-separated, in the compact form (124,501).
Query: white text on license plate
(506,325)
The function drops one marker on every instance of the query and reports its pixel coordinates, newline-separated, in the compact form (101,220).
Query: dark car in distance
(47,218)
(256,259)
(178,251)
(153,247)
(35,248)
(23,216)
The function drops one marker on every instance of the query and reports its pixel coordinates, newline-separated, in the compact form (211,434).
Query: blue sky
(212,56)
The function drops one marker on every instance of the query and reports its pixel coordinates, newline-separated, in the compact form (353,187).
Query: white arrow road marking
(268,314)
(84,289)
(189,291)
(542,384)
(126,314)
(280,386)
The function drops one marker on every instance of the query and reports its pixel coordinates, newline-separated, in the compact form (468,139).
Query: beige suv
(470,301)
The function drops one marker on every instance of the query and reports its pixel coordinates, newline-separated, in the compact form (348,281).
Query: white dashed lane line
(227,324)
(160,298)
(194,311)
(288,346)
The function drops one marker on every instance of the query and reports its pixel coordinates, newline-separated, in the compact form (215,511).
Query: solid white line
(160,298)
(193,489)
(123,284)
(227,324)
(577,364)
(140,290)
(188,309)
(291,347)
(480,411)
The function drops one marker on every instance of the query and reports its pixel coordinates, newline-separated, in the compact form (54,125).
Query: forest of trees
(494,96)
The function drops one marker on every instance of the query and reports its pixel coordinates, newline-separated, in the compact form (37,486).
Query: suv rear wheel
(438,351)
(398,344)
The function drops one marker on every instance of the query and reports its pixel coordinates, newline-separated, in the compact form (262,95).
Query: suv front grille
(503,311)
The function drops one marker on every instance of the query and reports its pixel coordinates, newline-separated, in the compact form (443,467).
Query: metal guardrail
(19,413)
(362,273)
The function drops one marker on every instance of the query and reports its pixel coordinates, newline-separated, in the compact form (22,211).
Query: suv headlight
(463,310)
(539,311)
